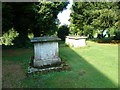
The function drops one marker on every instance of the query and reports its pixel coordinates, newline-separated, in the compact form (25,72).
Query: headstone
(45,51)
(75,41)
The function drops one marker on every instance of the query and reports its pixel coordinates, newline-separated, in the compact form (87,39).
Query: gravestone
(75,41)
(46,56)
(45,51)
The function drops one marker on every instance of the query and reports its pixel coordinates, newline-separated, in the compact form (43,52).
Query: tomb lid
(45,39)
(76,37)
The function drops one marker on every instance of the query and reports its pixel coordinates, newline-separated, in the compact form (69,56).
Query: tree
(7,17)
(90,17)
(21,17)
(46,16)
(63,31)
(107,16)
(26,17)
(80,16)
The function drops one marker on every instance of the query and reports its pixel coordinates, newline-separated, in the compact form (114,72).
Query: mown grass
(94,66)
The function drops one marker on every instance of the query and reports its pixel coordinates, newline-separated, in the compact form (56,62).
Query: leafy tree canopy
(37,17)
(90,17)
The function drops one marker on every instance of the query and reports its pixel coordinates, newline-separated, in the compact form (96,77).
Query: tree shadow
(89,75)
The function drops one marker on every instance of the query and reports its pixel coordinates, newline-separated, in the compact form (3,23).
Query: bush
(117,35)
(63,31)
(8,37)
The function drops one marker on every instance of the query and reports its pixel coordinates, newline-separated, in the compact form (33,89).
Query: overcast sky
(65,15)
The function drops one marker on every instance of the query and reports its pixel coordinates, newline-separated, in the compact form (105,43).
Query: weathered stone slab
(49,68)
(44,39)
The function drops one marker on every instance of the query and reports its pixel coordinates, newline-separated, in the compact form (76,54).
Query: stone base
(33,70)
(47,68)
(40,63)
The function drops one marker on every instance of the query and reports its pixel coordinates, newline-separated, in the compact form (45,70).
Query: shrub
(117,34)
(8,37)
(63,31)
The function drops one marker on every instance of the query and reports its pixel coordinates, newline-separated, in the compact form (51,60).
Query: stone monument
(46,56)
(76,41)
(45,51)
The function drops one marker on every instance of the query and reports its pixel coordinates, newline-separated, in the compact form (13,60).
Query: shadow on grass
(87,76)
(82,75)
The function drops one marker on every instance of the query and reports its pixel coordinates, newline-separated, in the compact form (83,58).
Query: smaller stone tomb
(75,41)
(45,51)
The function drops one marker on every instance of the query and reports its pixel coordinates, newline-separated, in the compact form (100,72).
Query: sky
(65,15)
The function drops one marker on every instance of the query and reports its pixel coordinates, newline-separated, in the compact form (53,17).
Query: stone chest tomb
(45,51)
(76,41)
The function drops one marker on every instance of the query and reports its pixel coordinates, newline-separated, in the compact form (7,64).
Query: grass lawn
(94,66)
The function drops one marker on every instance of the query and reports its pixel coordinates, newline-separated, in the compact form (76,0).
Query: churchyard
(93,66)
(41,50)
